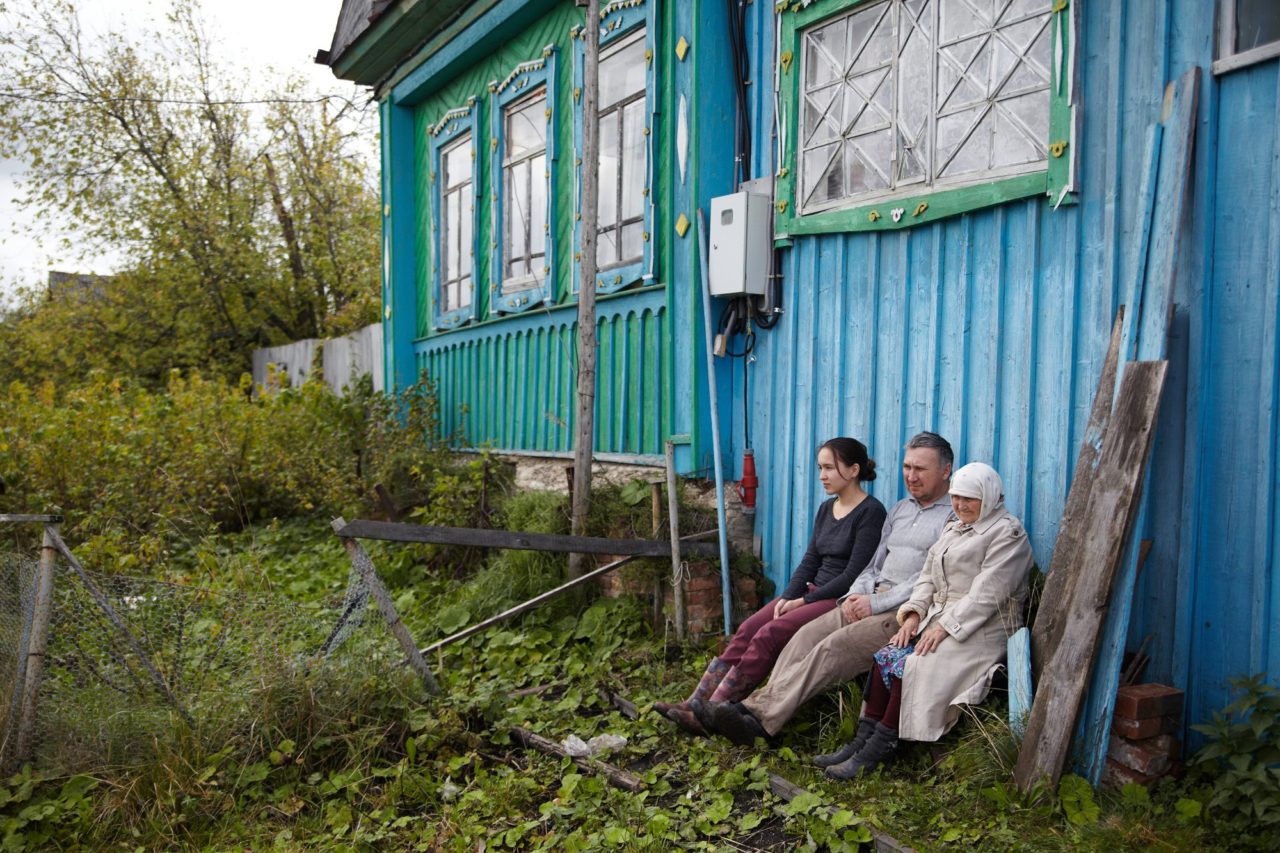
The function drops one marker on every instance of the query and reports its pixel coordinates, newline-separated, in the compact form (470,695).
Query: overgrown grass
(344,760)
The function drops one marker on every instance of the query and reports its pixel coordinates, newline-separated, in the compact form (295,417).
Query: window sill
(910,210)
(1249,57)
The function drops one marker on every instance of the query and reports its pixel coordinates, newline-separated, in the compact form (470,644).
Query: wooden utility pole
(583,448)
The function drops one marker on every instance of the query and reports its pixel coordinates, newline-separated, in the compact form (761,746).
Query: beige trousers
(829,650)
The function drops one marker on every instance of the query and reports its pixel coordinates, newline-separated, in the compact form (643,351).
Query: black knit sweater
(839,550)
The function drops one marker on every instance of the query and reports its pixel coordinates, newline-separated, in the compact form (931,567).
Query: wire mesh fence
(173,662)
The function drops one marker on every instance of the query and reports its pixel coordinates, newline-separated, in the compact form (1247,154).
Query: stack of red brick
(1144,745)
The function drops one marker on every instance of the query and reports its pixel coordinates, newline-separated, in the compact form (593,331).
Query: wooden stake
(42,608)
(677,572)
(583,446)
(364,565)
(105,605)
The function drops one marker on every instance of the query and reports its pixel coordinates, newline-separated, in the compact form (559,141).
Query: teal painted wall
(507,381)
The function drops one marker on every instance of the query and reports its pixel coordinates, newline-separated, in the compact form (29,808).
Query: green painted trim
(915,208)
(507,319)
(1061,111)
(939,205)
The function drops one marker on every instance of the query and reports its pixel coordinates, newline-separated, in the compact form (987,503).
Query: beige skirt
(934,686)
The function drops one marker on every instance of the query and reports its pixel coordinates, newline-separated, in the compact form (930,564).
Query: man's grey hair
(934,442)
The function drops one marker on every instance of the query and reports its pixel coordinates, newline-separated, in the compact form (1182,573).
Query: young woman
(846,532)
(954,628)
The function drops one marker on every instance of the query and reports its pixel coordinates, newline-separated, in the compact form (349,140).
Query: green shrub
(1241,765)
(134,470)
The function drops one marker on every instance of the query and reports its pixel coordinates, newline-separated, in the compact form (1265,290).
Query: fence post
(41,610)
(677,568)
(364,565)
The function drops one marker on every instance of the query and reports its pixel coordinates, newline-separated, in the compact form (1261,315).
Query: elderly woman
(954,628)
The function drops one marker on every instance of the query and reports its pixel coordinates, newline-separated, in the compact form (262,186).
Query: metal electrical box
(739,256)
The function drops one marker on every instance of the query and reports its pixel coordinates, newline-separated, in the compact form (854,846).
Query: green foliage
(240,227)
(138,471)
(1240,763)
(1076,795)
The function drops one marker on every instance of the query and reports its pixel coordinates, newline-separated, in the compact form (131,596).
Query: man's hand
(902,639)
(856,607)
(930,639)
(785,606)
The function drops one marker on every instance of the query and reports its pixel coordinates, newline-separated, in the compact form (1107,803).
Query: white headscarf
(979,480)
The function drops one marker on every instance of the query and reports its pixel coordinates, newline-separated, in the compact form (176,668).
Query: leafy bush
(1241,765)
(134,469)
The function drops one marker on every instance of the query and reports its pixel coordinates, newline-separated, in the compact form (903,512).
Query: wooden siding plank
(1156,298)
(1060,586)
(1108,519)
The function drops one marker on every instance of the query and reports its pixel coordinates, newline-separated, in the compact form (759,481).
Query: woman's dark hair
(850,452)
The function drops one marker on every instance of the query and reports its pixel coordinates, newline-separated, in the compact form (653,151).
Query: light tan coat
(974,583)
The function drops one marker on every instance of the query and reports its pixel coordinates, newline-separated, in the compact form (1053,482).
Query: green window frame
(620,22)
(456,128)
(916,201)
(513,292)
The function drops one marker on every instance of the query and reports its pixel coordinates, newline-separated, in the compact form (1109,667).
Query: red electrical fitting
(749,483)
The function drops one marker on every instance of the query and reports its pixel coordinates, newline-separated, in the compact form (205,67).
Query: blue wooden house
(954,187)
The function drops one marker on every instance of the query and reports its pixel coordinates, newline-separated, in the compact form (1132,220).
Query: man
(838,646)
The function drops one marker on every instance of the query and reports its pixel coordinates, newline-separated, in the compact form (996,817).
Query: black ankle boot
(878,751)
(735,722)
(850,749)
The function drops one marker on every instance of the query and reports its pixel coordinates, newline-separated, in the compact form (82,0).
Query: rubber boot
(850,749)
(680,713)
(733,688)
(878,751)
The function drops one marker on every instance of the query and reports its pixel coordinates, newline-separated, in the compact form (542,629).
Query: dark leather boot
(734,721)
(680,713)
(850,749)
(878,751)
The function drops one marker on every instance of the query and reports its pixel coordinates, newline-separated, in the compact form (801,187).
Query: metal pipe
(715,423)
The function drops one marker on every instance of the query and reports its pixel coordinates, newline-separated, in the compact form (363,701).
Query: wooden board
(1150,343)
(1059,585)
(392,532)
(1100,533)
(1019,665)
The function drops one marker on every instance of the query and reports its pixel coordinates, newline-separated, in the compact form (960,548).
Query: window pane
(622,71)
(824,54)
(632,242)
(538,205)
(610,155)
(457,163)
(912,144)
(1257,23)
(526,126)
(517,209)
(464,292)
(904,92)
(633,160)
(450,231)
(464,230)
(607,248)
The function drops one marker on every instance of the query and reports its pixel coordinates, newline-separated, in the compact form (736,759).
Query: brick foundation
(704,608)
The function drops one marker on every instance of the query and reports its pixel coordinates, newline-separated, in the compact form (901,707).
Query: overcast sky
(262,34)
